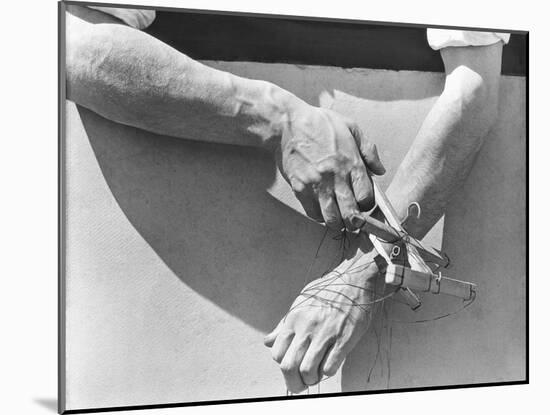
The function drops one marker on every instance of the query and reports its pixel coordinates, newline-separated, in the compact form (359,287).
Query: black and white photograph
(262,207)
(258,206)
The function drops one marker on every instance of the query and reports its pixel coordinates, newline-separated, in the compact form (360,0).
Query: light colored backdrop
(179,259)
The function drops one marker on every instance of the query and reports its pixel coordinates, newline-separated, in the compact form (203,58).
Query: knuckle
(313,176)
(290,322)
(296,315)
(297,187)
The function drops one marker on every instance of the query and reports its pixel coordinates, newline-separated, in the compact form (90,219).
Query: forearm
(444,150)
(450,137)
(132,78)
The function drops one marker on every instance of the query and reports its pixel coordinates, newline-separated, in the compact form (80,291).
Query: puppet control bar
(405,277)
(428,282)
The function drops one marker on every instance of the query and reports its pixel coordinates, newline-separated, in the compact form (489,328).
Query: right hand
(326,321)
(326,159)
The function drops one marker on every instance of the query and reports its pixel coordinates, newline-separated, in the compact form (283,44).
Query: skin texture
(327,319)
(324,158)
(132,78)
(435,167)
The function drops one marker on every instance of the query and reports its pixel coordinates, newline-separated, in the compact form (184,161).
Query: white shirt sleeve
(442,38)
(136,18)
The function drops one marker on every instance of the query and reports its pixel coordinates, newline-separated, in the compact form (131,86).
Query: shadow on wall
(203,208)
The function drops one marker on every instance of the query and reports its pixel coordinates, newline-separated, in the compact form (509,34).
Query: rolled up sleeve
(442,38)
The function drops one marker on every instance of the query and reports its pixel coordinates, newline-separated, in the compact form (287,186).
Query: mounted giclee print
(277,207)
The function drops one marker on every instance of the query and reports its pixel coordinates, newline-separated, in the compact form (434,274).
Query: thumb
(368,151)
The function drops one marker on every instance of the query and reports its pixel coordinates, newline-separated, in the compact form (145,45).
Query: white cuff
(442,38)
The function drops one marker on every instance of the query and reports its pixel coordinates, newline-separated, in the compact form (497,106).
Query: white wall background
(178,261)
(29,182)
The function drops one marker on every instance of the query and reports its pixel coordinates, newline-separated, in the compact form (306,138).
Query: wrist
(282,108)
(362,265)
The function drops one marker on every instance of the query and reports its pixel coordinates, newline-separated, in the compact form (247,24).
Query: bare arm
(331,314)
(445,148)
(132,78)
(135,79)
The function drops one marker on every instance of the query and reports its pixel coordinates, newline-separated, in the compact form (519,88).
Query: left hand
(325,322)
(327,160)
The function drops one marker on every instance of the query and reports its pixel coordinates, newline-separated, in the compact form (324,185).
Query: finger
(281,345)
(346,200)
(330,211)
(310,370)
(362,188)
(306,196)
(299,168)
(269,339)
(368,151)
(290,365)
(333,360)
(309,202)
(297,185)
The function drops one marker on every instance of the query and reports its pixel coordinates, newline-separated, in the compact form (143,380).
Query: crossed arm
(332,313)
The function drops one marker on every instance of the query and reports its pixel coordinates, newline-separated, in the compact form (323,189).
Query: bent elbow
(81,49)
(86,52)
(478,97)
(482,97)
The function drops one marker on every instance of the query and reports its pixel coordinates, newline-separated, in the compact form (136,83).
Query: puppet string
(328,281)
(466,304)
